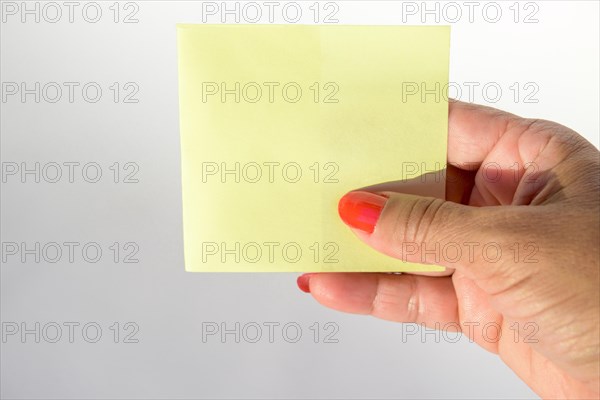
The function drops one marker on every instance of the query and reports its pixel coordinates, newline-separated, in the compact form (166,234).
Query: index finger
(473,131)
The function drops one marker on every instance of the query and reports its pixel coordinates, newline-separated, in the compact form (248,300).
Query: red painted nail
(361,210)
(304,282)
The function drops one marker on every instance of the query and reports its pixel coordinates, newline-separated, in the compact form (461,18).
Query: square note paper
(278,122)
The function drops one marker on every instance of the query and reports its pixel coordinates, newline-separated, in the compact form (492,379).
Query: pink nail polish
(304,282)
(361,210)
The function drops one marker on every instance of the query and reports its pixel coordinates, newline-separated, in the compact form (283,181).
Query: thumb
(427,230)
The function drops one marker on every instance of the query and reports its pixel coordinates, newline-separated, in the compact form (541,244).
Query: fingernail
(303,282)
(361,210)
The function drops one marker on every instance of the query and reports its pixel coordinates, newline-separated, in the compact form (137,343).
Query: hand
(519,234)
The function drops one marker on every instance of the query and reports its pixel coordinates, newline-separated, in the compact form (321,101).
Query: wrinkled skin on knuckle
(431,220)
(575,167)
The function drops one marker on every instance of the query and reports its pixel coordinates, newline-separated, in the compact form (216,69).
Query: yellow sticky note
(278,122)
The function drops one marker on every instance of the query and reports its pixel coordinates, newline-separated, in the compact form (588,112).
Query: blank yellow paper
(278,122)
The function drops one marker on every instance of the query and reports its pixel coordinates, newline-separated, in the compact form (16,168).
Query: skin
(550,289)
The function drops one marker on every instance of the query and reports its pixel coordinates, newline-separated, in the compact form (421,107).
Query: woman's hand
(523,211)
